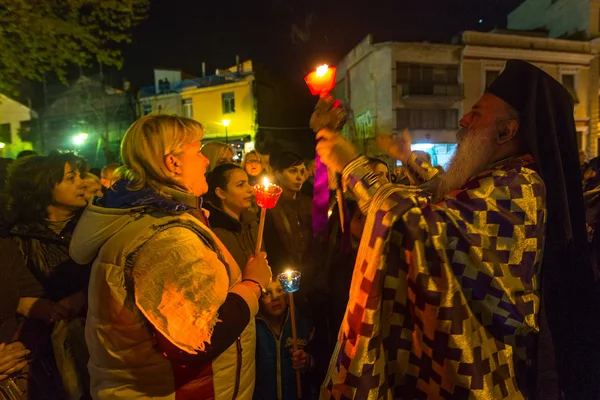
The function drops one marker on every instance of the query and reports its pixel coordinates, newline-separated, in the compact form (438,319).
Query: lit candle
(290,282)
(322,70)
(267,195)
(322,80)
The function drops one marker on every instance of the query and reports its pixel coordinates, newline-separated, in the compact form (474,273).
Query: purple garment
(320,198)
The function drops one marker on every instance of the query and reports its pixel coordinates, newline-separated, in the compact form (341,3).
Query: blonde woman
(170,312)
(218,153)
(255,166)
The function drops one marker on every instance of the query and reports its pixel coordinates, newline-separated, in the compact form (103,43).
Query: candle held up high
(321,81)
(328,114)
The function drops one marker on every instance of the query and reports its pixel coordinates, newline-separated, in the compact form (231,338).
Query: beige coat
(171,271)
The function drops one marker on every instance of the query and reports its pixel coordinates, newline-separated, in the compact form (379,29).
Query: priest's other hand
(398,147)
(335,151)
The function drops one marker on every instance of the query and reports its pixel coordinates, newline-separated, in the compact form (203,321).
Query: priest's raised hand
(335,151)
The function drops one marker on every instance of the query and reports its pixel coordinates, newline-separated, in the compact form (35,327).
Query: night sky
(291,36)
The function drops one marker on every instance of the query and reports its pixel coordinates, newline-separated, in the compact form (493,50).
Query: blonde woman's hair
(265,165)
(214,151)
(146,144)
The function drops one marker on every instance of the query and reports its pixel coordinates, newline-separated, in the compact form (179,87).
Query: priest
(454,278)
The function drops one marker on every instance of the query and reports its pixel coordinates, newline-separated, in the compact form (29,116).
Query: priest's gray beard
(474,153)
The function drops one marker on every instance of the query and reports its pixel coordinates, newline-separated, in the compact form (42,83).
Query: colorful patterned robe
(445,297)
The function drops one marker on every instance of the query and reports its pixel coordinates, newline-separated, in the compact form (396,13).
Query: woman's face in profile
(192,168)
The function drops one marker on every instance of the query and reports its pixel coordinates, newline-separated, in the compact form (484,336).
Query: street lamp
(226,123)
(80,138)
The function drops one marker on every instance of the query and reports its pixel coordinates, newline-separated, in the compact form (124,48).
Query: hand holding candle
(328,114)
(267,195)
(290,282)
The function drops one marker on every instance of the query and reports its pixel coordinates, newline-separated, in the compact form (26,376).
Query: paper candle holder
(322,80)
(267,195)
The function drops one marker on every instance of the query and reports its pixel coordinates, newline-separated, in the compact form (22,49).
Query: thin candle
(290,282)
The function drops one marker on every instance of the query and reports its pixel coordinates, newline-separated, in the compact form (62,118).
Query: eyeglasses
(253,162)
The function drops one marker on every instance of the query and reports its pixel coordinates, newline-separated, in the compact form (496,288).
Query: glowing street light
(80,139)
(226,123)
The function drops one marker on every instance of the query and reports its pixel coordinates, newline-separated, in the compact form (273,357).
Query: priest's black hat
(569,291)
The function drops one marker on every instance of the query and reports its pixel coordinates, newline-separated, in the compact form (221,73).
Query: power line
(284,127)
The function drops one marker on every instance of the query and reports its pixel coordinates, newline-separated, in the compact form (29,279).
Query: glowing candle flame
(289,280)
(322,70)
(266,183)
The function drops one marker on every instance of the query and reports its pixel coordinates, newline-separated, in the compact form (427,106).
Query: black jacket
(239,237)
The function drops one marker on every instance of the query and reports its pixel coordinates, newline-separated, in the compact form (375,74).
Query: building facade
(574,20)
(225,104)
(428,87)
(16,121)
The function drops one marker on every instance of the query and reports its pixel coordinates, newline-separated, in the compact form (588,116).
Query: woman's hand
(300,360)
(12,358)
(44,310)
(258,270)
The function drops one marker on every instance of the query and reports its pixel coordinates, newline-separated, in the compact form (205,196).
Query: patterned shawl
(444,298)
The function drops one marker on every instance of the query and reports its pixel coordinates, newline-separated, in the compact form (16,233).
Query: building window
(228,101)
(147,108)
(5,136)
(426,118)
(490,77)
(188,108)
(568,81)
(422,79)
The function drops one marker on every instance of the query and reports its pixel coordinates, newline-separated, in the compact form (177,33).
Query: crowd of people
(141,279)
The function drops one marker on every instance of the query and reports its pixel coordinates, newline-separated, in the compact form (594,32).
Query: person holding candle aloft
(274,349)
(171,314)
(464,286)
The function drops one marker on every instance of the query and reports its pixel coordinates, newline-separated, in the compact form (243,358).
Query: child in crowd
(276,361)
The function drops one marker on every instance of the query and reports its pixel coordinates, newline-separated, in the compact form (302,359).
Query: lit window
(228,102)
(188,108)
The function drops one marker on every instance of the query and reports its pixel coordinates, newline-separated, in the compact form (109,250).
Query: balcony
(412,89)
(428,83)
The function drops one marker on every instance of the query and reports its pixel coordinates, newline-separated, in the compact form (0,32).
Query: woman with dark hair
(288,227)
(229,200)
(46,197)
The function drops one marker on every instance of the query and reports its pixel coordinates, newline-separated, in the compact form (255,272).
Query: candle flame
(322,70)
(266,183)
(289,273)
